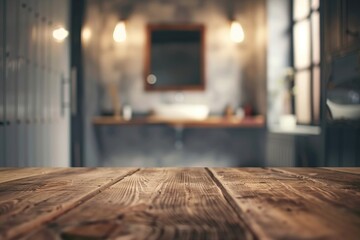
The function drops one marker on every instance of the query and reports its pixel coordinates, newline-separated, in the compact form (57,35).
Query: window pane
(302,44)
(301,8)
(302,97)
(316,94)
(315,21)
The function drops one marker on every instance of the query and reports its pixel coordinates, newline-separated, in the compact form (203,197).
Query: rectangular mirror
(175,57)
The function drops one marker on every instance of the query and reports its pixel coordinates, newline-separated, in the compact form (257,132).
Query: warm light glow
(302,44)
(119,34)
(59,34)
(237,32)
(303,97)
(86,34)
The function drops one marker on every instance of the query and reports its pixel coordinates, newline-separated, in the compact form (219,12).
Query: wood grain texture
(340,189)
(181,203)
(332,179)
(345,169)
(153,204)
(277,205)
(9,174)
(29,202)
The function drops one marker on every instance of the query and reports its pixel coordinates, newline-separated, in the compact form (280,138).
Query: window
(306,61)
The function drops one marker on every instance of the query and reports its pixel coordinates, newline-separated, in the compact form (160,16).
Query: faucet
(179,97)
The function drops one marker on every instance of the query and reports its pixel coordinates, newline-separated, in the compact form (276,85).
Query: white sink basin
(182,111)
(344,111)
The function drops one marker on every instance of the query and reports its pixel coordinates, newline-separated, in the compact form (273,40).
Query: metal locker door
(55,79)
(40,84)
(37,86)
(44,83)
(2,84)
(11,83)
(31,87)
(47,86)
(27,80)
(62,130)
(44,99)
(46,124)
(21,83)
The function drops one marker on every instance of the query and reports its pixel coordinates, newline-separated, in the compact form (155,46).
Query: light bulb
(86,34)
(59,34)
(237,32)
(119,34)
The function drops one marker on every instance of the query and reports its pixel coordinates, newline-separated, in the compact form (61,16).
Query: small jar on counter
(127,112)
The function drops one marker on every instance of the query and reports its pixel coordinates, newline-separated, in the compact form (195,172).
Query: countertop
(179,203)
(210,122)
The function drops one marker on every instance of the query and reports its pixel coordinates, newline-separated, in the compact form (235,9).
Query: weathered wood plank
(339,189)
(284,206)
(152,204)
(345,169)
(333,179)
(28,202)
(9,174)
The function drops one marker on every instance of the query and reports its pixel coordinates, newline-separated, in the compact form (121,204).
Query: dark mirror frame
(181,27)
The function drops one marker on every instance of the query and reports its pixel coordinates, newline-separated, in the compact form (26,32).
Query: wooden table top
(180,203)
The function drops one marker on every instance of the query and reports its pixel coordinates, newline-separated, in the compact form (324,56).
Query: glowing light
(86,34)
(59,34)
(119,34)
(237,32)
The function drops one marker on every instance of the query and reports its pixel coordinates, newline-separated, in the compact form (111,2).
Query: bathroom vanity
(159,141)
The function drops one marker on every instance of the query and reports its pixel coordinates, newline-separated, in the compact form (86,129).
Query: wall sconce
(85,34)
(119,34)
(59,34)
(237,34)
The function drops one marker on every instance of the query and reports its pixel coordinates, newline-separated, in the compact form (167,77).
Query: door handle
(64,99)
(73,91)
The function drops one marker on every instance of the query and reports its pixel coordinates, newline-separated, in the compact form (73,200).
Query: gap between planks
(264,229)
(231,201)
(23,228)
(130,208)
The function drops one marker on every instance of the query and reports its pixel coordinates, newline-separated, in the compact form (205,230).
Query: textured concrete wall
(235,74)
(122,63)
